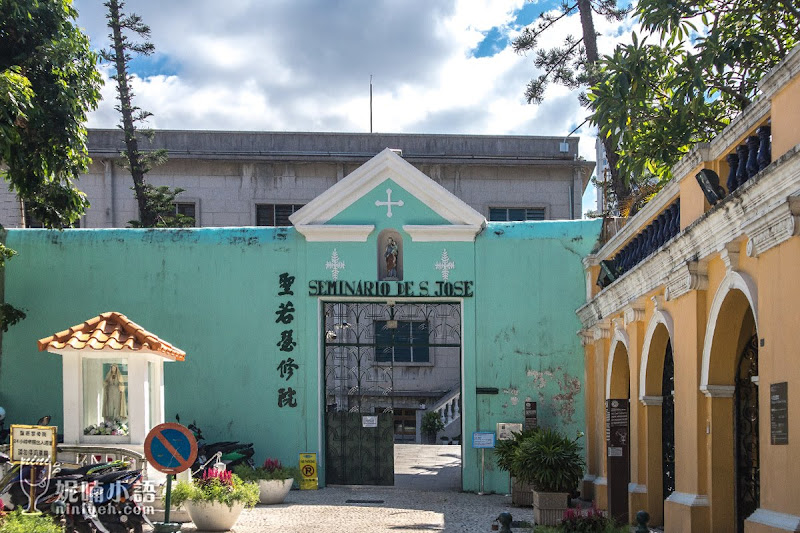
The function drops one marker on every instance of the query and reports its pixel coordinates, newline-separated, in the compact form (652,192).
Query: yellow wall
(786,119)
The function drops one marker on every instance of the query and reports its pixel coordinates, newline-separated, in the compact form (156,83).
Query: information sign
(33,444)
(506,430)
(309,480)
(483,439)
(779,413)
(369,421)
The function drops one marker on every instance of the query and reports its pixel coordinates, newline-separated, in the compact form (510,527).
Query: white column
(137,384)
(72,390)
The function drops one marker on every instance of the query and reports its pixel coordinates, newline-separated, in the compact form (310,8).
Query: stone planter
(521,493)
(549,507)
(213,516)
(272,491)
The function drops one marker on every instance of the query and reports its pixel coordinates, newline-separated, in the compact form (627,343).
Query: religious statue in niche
(115,405)
(391,256)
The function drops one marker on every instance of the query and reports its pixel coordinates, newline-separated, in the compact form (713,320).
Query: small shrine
(113,379)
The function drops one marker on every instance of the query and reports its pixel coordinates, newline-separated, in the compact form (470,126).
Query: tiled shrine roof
(110,331)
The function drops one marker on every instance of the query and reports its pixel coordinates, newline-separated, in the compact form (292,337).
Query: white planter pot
(272,491)
(213,516)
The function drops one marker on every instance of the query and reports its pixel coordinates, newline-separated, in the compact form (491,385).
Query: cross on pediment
(389,203)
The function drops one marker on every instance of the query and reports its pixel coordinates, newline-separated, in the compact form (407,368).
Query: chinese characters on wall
(286,344)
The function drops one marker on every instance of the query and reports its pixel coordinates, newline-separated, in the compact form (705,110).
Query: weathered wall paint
(214,293)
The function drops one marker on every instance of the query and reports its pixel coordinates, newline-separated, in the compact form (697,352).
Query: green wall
(213,292)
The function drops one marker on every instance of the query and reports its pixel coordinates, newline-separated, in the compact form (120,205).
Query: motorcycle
(231,453)
(92,498)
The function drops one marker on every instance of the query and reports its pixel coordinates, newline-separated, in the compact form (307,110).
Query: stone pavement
(426,497)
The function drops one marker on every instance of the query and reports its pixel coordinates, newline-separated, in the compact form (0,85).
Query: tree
(150,200)
(573,64)
(48,84)
(655,101)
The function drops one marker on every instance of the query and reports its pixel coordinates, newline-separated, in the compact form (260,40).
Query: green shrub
(272,469)
(431,423)
(225,487)
(505,450)
(550,461)
(17,522)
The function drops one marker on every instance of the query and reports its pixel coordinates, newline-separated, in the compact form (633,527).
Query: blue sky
(437,67)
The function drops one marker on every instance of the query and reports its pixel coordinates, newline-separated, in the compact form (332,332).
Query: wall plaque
(779,412)
(531,421)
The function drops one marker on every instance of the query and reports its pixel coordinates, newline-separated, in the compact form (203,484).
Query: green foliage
(161,202)
(250,474)
(216,490)
(48,84)
(431,423)
(505,450)
(151,201)
(585,521)
(656,101)
(551,462)
(17,522)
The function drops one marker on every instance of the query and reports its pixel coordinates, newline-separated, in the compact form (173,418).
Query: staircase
(449,409)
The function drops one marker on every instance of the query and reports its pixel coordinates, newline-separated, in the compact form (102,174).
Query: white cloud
(305,66)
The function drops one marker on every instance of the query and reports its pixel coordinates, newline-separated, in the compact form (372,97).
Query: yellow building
(693,317)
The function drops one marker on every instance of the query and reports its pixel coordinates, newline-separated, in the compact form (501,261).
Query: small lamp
(709,183)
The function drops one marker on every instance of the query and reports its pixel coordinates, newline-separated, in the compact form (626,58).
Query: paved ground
(426,497)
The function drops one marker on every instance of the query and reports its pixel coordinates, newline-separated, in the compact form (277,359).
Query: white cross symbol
(445,265)
(334,265)
(389,203)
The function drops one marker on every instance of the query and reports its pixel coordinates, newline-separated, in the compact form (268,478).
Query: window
(406,343)
(509,214)
(275,214)
(187,209)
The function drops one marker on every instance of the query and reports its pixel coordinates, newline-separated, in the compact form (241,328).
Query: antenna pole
(370,103)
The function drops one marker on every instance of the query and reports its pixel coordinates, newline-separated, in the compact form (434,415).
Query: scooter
(233,453)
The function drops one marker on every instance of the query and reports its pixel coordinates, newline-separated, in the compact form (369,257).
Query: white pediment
(386,165)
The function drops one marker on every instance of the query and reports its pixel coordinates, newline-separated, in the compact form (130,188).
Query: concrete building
(261,178)
(690,335)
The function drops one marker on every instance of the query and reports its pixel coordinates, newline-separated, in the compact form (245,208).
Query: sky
(437,66)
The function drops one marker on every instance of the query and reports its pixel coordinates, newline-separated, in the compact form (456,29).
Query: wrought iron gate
(362,342)
(746,431)
(668,423)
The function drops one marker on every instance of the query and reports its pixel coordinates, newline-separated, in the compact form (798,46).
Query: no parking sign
(171,448)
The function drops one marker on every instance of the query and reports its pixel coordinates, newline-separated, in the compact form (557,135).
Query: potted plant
(553,464)
(274,480)
(431,425)
(504,451)
(215,500)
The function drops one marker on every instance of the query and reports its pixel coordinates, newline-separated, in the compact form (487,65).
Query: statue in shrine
(391,258)
(115,406)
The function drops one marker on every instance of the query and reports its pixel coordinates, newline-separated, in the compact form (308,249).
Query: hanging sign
(33,444)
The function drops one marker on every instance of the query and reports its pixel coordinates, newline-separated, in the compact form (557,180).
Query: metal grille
(668,423)
(362,343)
(746,419)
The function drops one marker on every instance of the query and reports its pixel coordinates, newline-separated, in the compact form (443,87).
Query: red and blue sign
(170,448)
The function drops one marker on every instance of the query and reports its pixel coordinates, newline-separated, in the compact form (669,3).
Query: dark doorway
(746,434)
(668,423)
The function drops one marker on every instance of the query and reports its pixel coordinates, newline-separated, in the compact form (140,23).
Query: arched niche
(618,376)
(660,331)
(390,253)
